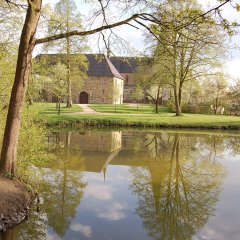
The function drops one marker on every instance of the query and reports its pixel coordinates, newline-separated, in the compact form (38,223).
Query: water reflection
(176,193)
(169,182)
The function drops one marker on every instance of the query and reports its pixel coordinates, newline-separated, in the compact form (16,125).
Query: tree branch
(85,33)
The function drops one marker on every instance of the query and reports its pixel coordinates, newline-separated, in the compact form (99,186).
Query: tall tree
(153,78)
(66,18)
(190,47)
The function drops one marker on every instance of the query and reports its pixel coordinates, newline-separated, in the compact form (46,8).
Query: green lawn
(47,112)
(44,109)
(126,108)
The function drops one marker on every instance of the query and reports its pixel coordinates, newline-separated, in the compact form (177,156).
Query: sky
(136,39)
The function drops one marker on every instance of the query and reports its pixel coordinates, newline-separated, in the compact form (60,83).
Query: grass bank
(151,120)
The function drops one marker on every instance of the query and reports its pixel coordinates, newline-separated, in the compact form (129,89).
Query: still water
(135,185)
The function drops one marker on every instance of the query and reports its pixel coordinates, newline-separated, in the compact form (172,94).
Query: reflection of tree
(233,143)
(66,188)
(60,191)
(176,194)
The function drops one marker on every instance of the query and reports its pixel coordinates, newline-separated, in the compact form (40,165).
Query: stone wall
(100,89)
(129,86)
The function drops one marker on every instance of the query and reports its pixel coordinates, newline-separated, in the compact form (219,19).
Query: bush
(204,109)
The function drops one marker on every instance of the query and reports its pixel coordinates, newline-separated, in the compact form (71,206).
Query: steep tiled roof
(125,64)
(101,66)
(98,64)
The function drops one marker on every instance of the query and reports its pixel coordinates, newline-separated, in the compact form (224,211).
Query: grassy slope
(48,114)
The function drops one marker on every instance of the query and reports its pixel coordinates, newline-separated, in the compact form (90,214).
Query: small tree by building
(56,82)
(138,94)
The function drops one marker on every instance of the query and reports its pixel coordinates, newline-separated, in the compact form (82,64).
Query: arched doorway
(83,98)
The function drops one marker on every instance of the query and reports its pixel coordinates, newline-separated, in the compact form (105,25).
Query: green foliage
(187,48)
(33,147)
(138,93)
(46,78)
(65,18)
(197,108)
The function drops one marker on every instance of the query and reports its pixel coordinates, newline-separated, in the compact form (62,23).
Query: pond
(130,184)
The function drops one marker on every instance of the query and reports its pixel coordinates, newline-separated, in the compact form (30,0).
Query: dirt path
(86,109)
(14,203)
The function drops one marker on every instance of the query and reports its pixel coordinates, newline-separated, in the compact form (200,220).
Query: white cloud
(112,212)
(99,192)
(85,230)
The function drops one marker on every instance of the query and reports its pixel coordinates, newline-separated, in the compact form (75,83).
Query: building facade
(104,83)
(109,79)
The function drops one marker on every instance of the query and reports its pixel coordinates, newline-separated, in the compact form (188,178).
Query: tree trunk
(69,98)
(11,134)
(180,98)
(216,106)
(177,107)
(59,106)
(157,100)
(156,106)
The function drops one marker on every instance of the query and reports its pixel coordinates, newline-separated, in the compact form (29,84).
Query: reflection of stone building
(88,151)
(101,141)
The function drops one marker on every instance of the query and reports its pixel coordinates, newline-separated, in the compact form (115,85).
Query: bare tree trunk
(216,106)
(177,107)
(69,98)
(156,106)
(179,100)
(157,100)
(59,106)
(11,134)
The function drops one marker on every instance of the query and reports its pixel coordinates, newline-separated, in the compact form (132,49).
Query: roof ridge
(113,69)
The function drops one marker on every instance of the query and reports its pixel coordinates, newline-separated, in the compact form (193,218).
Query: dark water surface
(135,185)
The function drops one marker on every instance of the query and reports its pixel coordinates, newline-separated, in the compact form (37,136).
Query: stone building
(127,67)
(105,77)
(104,83)
(109,80)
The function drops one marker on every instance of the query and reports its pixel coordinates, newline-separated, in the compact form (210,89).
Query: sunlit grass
(127,108)
(50,108)
(127,118)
